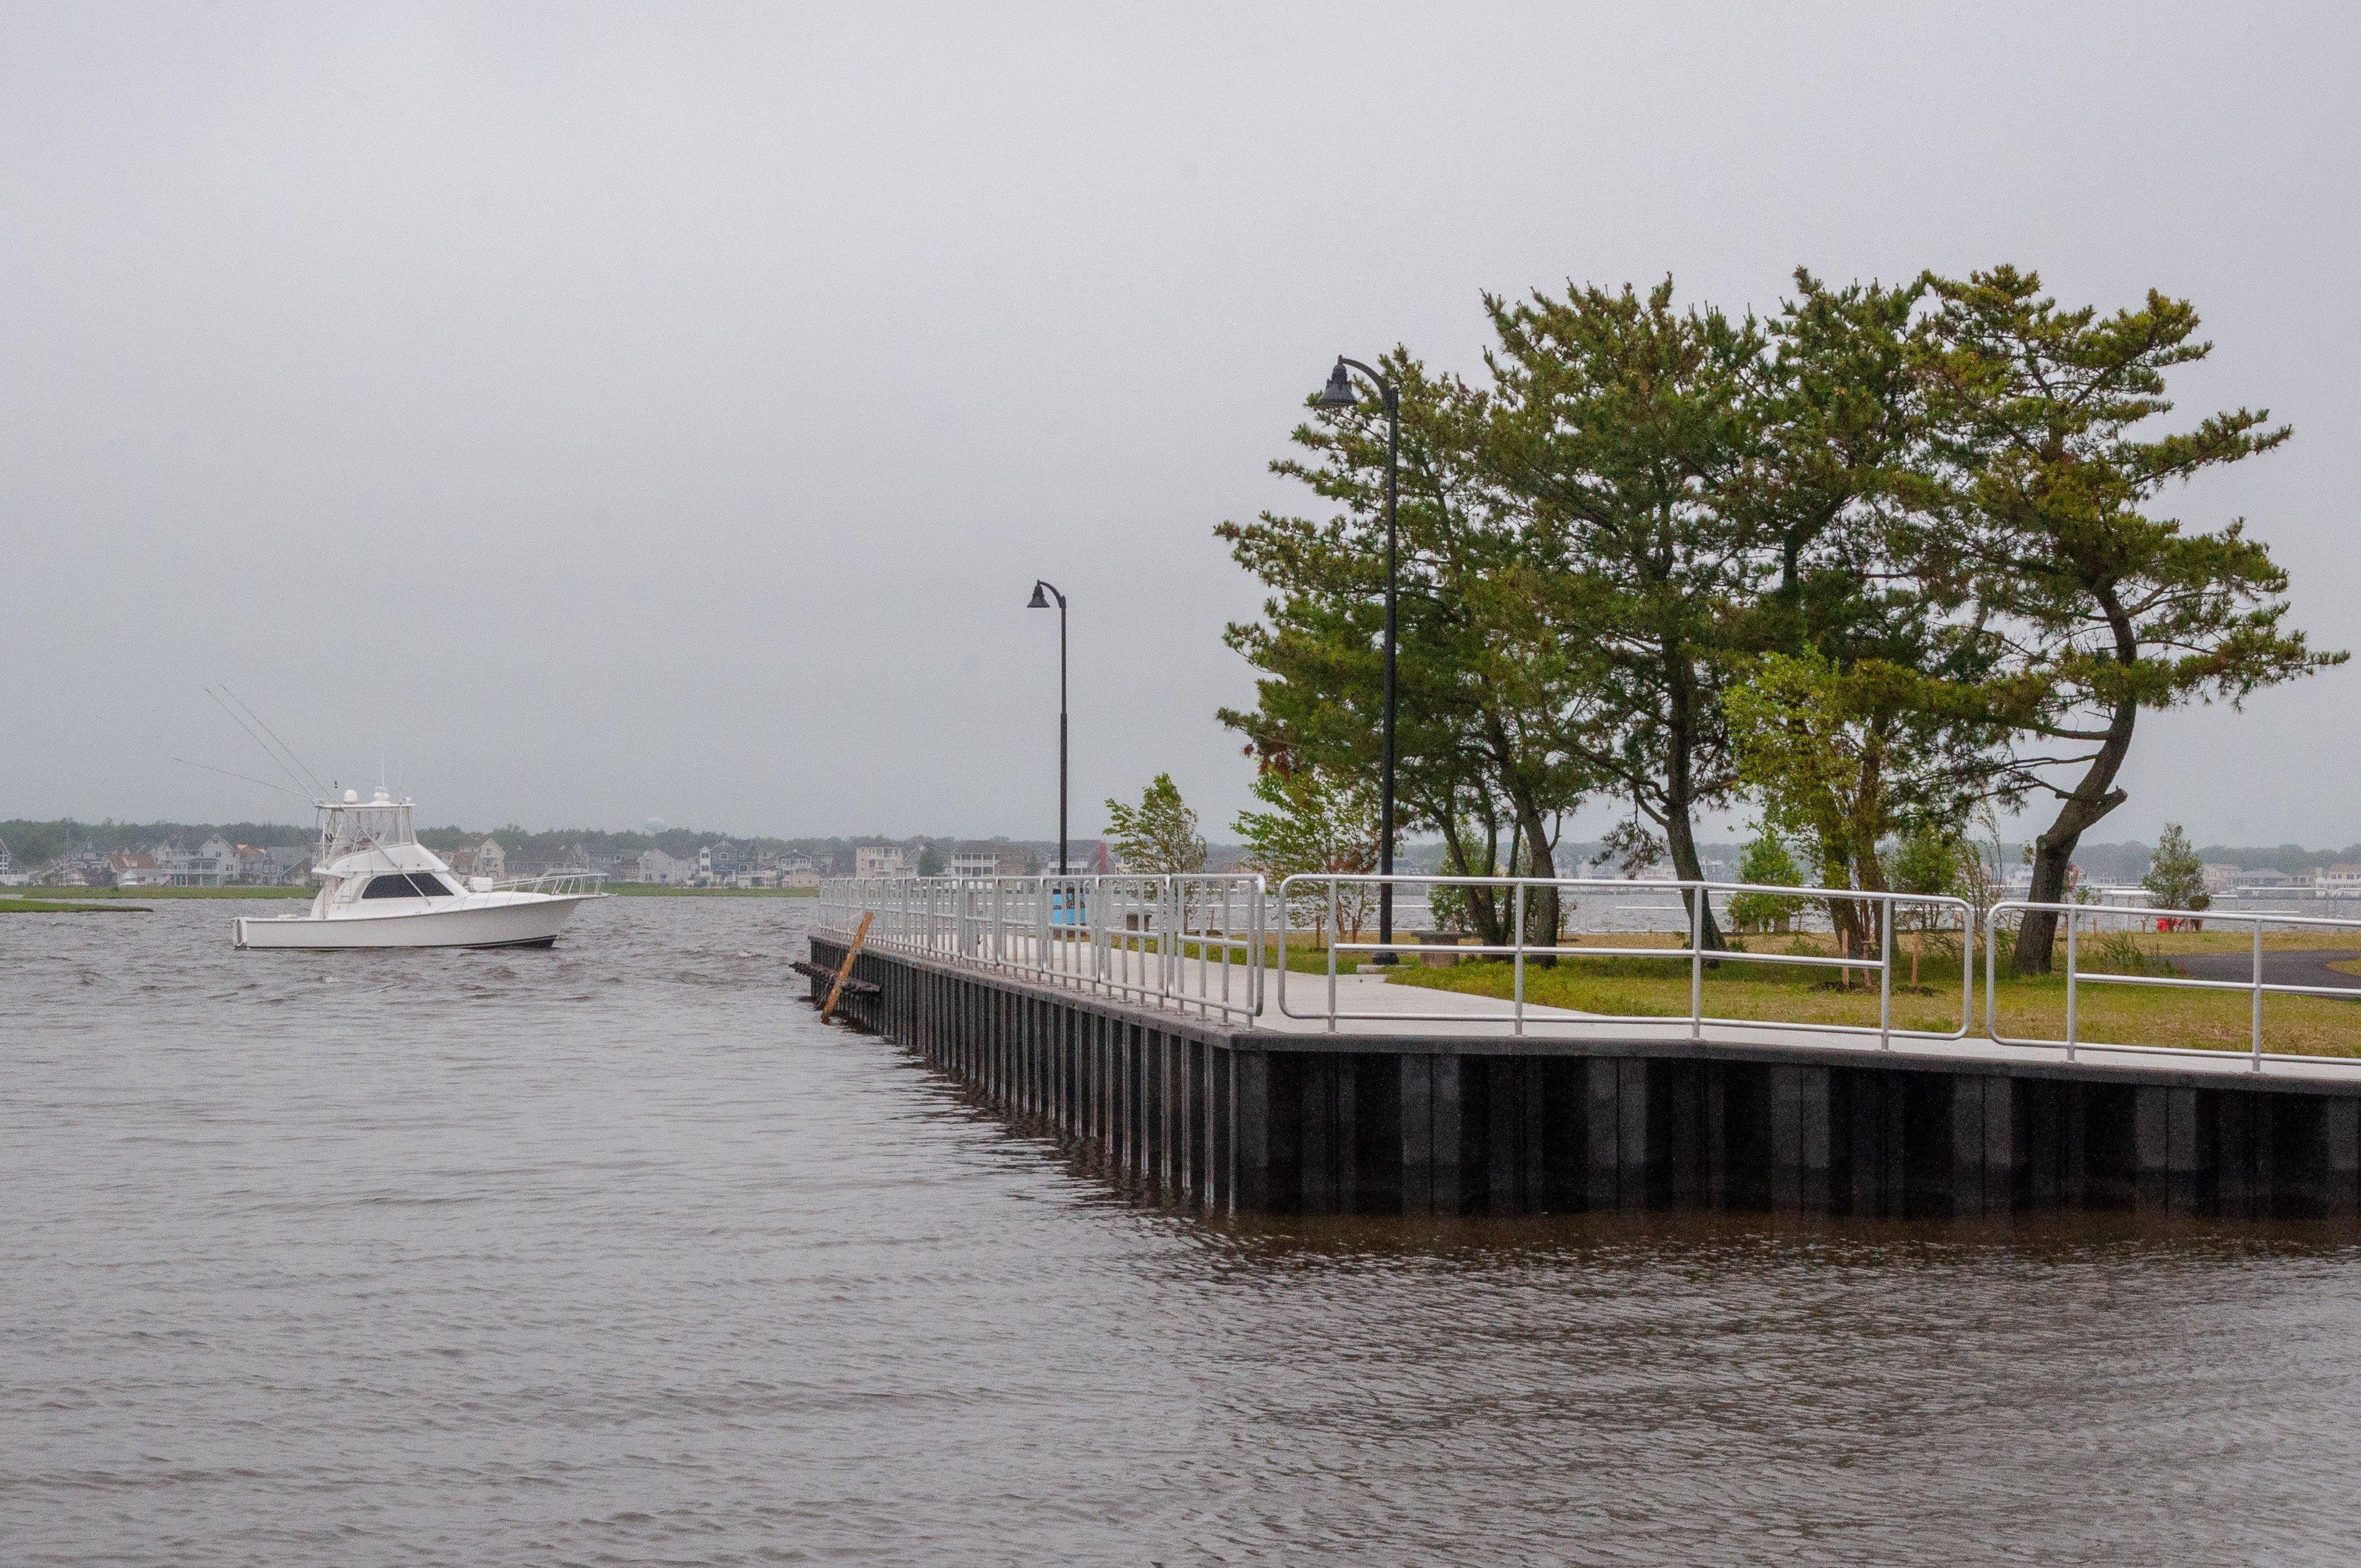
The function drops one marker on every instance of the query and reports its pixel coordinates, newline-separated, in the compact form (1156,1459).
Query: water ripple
(614,1255)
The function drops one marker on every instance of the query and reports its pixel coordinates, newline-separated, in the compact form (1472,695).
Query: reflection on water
(613,1253)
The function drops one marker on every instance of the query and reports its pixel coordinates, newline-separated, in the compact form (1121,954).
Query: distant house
(989,861)
(9,875)
(84,867)
(212,863)
(2262,879)
(665,871)
(484,860)
(879,861)
(804,876)
(2340,882)
(718,863)
(2221,878)
(126,869)
(290,863)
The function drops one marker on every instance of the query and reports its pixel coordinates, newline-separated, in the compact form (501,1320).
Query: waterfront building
(484,860)
(990,861)
(665,871)
(127,869)
(879,861)
(2339,881)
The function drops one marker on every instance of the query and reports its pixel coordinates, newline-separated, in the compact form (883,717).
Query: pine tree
(1768,863)
(2176,877)
(1157,837)
(1316,825)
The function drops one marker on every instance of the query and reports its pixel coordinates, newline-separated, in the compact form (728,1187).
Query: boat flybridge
(384,889)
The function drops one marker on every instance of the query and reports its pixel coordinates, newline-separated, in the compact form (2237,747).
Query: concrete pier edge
(1241,1121)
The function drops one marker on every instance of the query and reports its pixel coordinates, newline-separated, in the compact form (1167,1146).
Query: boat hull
(527,922)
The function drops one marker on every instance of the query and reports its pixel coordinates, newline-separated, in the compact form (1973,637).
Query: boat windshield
(350,827)
(410,884)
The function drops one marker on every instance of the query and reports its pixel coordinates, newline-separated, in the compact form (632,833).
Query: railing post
(1258,899)
(1517,950)
(1332,934)
(2073,918)
(2258,993)
(1696,961)
(1967,970)
(1229,930)
(1885,982)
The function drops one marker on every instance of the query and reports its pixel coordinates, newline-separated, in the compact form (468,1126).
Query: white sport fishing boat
(384,889)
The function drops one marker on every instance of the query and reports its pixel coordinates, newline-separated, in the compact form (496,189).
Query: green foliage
(2176,876)
(1847,757)
(1159,835)
(1315,823)
(1487,688)
(1934,859)
(2112,607)
(32,843)
(1626,426)
(1888,558)
(1767,864)
(2119,952)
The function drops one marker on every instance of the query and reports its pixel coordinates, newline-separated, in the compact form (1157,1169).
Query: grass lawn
(9,906)
(2031,1008)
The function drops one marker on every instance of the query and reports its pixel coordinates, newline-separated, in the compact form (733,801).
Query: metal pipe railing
(1192,943)
(2074,914)
(1694,898)
(1204,944)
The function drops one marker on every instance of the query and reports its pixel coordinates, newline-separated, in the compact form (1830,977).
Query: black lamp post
(1042,593)
(1339,394)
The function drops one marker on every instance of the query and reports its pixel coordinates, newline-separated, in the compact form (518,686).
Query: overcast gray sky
(601,413)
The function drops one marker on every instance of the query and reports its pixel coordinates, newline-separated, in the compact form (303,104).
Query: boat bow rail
(548,884)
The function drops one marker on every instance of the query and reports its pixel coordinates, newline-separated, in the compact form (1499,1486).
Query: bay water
(614,1254)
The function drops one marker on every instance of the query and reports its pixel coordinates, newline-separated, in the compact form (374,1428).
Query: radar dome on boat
(352,797)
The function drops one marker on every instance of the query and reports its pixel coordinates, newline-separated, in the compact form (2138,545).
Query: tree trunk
(1682,842)
(1680,837)
(1542,906)
(1483,908)
(2053,851)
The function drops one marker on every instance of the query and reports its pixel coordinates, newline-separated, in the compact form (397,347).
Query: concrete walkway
(1396,1010)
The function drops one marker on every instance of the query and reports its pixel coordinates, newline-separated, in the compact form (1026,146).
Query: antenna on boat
(283,757)
(249,778)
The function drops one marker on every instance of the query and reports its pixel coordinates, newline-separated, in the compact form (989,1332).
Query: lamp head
(1338,393)
(1041,597)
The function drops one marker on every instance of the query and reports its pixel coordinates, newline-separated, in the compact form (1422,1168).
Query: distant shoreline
(626,889)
